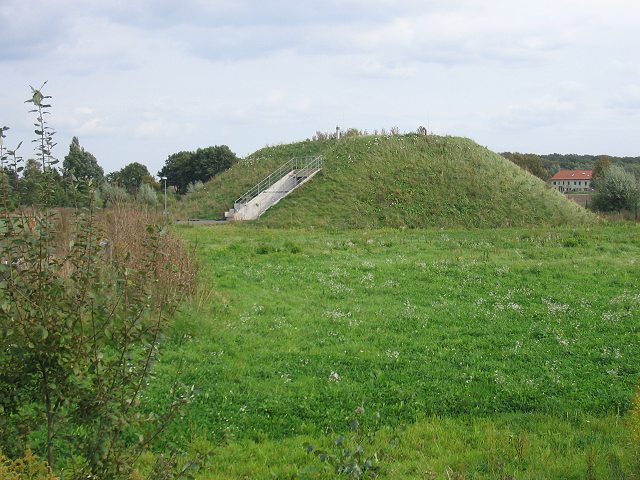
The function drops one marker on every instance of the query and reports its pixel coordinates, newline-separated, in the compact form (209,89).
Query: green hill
(395,181)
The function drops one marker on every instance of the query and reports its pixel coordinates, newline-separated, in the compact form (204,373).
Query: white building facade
(572,181)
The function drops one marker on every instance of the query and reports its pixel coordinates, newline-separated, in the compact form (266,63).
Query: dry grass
(130,233)
(134,238)
(128,237)
(623,216)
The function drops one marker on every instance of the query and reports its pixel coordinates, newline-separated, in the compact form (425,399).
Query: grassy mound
(396,181)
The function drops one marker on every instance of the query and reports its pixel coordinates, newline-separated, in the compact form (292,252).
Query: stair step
(273,188)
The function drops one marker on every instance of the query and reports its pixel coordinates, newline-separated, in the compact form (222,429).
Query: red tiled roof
(573,175)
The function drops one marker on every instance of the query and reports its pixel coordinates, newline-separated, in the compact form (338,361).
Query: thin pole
(165,195)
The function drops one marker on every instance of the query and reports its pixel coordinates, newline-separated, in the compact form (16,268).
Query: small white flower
(334,377)
(392,354)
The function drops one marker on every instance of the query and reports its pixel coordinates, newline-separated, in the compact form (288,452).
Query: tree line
(545,166)
(132,182)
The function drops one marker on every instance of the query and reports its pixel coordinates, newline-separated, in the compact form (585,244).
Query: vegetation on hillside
(395,181)
(529,162)
(215,197)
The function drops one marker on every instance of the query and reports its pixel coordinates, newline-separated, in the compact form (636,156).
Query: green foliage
(81,348)
(617,190)
(131,176)
(44,133)
(28,467)
(9,169)
(184,168)
(195,187)
(556,161)
(113,194)
(40,183)
(600,166)
(397,181)
(31,184)
(529,162)
(147,196)
(81,164)
(349,457)
(80,329)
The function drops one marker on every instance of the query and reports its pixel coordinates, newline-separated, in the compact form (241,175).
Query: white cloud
(537,113)
(144,79)
(84,121)
(626,101)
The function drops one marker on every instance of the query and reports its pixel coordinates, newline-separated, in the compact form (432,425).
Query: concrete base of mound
(268,198)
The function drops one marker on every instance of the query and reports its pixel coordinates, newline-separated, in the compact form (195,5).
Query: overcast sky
(137,80)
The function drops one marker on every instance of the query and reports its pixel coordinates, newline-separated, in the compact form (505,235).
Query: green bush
(147,196)
(617,190)
(80,330)
(29,467)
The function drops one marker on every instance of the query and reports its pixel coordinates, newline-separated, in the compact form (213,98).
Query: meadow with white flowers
(473,353)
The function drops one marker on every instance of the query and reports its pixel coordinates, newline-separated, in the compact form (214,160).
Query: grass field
(474,354)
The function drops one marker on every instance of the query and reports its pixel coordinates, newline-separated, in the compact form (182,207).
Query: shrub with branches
(617,190)
(82,317)
(28,467)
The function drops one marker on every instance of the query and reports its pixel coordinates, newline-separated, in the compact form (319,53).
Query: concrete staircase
(274,188)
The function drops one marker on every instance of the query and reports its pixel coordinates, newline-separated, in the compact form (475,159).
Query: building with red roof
(572,181)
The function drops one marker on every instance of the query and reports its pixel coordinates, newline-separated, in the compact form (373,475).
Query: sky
(138,80)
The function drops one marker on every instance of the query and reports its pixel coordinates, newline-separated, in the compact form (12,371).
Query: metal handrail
(301,164)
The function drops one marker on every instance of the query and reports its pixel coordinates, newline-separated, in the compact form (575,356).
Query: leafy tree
(131,177)
(147,196)
(9,186)
(62,190)
(183,168)
(9,169)
(31,183)
(617,190)
(81,163)
(529,162)
(113,194)
(555,161)
(600,166)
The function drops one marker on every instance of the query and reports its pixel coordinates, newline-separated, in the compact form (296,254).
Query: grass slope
(397,181)
(521,331)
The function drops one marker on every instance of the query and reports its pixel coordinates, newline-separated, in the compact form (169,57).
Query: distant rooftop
(573,175)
